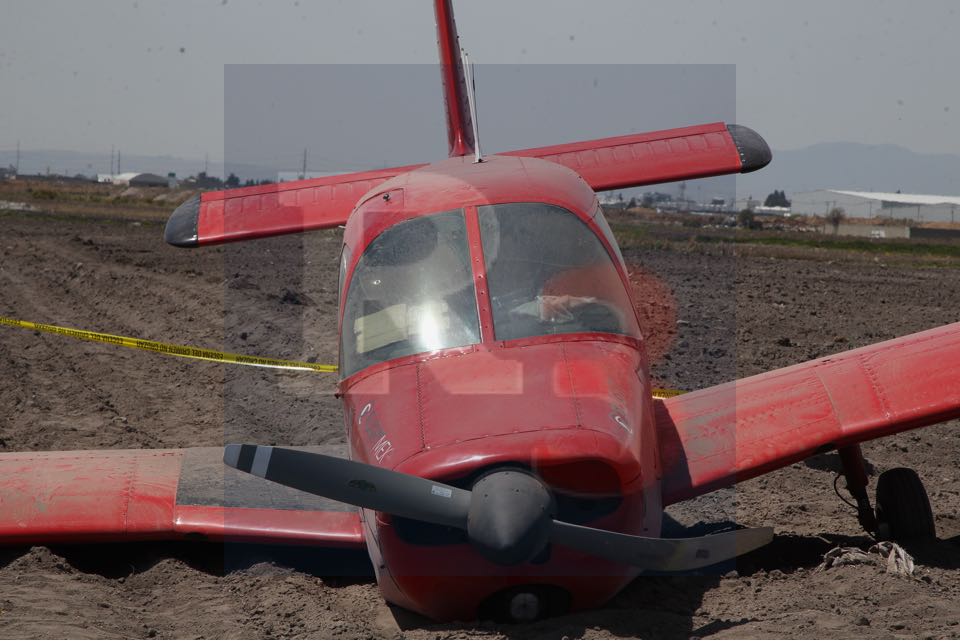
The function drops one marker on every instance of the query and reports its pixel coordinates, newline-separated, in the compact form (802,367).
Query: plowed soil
(711,315)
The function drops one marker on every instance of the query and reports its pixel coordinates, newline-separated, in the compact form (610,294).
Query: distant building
(772,211)
(875,204)
(134,179)
(117,179)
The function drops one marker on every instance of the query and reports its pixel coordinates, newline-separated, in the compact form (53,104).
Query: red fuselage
(574,407)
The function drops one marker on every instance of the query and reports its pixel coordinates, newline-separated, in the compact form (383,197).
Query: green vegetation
(679,237)
(842,243)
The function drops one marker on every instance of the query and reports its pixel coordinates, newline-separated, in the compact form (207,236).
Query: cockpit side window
(548,273)
(412,291)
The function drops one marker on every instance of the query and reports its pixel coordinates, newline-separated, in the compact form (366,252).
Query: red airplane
(505,450)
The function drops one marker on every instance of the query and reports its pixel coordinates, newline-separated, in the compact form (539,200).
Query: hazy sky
(148,75)
(358,116)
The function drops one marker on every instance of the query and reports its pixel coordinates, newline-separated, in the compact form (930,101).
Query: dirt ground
(712,315)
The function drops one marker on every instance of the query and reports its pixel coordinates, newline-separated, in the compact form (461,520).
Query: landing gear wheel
(903,509)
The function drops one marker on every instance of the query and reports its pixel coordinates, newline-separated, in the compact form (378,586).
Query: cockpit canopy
(547,272)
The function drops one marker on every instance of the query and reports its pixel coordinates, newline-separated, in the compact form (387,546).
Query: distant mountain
(847,165)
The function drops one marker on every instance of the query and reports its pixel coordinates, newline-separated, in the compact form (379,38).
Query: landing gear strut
(855,472)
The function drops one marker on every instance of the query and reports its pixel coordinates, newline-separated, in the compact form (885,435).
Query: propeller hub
(510,516)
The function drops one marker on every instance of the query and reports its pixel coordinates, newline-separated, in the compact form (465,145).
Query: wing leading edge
(721,435)
(127,495)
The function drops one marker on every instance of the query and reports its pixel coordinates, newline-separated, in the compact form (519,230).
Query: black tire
(903,509)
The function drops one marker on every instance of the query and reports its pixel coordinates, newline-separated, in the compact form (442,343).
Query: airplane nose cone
(510,515)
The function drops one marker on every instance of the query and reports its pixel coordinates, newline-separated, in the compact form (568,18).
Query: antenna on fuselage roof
(472,99)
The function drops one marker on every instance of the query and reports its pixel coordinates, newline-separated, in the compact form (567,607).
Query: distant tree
(835,217)
(745,218)
(232,181)
(253,182)
(776,199)
(632,203)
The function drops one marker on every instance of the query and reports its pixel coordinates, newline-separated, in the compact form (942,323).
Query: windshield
(412,291)
(549,274)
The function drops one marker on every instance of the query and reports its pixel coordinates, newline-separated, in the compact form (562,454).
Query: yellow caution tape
(663,393)
(205,354)
(168,348)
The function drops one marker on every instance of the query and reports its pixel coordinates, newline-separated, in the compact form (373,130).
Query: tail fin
(459,122)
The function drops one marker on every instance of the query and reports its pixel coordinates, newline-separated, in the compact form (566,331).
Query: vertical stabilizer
(459,122)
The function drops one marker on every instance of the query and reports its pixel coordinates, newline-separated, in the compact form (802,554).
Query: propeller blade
(660,555)
(354,483)
(413,497)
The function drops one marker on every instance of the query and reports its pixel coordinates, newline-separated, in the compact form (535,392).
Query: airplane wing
(125,495)
(270,210)
(732,432)
(659,156)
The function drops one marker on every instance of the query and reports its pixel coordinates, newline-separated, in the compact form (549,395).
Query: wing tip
(181,229)
(753,149)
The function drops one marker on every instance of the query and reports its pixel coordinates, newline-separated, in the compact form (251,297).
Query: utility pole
(206,164)
(111,160)
(303,172)
(16,167)
(118,161)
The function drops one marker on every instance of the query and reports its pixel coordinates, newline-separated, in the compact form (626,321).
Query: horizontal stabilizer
(271,210)
(659,156)
(732,432)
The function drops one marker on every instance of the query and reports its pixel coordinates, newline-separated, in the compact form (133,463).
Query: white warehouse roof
(906,199)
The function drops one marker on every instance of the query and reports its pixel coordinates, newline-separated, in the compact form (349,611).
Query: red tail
(459,123)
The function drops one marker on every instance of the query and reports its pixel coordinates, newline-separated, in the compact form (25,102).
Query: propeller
(508,513)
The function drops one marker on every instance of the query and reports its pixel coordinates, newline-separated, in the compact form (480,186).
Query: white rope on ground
(895,559)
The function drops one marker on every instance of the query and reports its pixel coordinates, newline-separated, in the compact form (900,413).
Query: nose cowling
(510,516)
